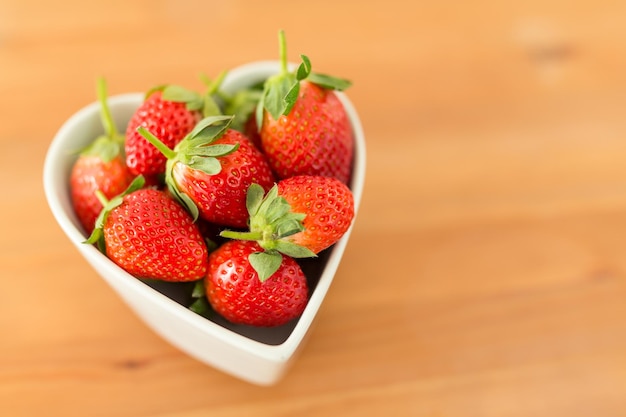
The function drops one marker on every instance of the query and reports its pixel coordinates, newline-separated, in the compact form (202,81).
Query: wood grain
(486,275)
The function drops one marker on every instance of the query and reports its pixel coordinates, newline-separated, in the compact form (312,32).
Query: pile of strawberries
(229,191)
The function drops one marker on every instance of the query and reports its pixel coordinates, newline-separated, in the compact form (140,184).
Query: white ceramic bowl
(257,355)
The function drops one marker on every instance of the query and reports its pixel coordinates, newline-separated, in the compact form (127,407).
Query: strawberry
(235,290)
(100,166)
(304,128)
(328,206)
(170,112)
(151,236)
(210,171)
(299,217)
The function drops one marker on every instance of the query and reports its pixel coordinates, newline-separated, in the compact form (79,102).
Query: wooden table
(486,275)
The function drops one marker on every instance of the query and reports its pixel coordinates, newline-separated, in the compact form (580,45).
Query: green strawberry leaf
(206,103)
(154,89)
(277,91)
(200,306)
(206,131)
(293,250)
(176,93)
(254,198)
(213,86)
(198,290)
(97,236)
(208,165)
(265,263)
(289,225)
(210,107)
(290,99)
(271,195)
(213,150)
(213,97)
(302,72)
(276,209)
(304,69)
(330,82)
(183,199)
(242,105)
(104,148)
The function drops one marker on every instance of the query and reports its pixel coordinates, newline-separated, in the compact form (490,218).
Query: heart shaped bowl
(257,355)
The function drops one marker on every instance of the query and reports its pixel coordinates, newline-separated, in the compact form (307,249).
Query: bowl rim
(56,188)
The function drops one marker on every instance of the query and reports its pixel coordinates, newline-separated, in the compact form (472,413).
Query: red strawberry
(328,205)
(170,113)
(236,292)
(151,236)
(304,128)
(300,216)
(211,169)
(100,166)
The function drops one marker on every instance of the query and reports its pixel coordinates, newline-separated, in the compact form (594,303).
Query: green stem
(105,113)
(231,234)
(169,153)
(282,44)
(213,86)
(101,198)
